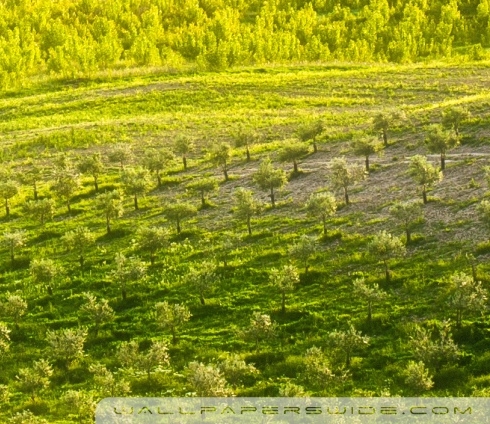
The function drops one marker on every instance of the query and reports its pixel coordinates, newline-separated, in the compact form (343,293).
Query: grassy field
(145,111)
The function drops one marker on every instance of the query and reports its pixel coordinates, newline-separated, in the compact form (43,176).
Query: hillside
(54,126)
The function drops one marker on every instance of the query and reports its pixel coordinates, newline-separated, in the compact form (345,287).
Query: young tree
(183,146)
(311,131)
(319,372)
(207,380)
(179,211)
(221,154)
(106,382)
(322,205)
(424,173)
(384,247)
(14,240)
(245,138)
(135,183)
(367,146)
(157,160)
(465,295)
(203,278)
(407,215)
(14,307)
(368,293)
(292,152)
(246,206)
(4,338)
(347,342)
(128,270)
(284,280)
(79,240)
(261,328)
(120,153)
(152,239)
(98,312)
(269,178)
(31,175)
(236,370)
(26,417)
(171,317)
(203,186)
(417,377)
(80,404)
(44,271)
(110,203)
(155,358)
(384,121)
(40,209)
(453,116)
(65,185)
(439,140)
(8,189)
(303,250)
(66,344)
(36,379)
(92,165)
(435,350)
(344,175)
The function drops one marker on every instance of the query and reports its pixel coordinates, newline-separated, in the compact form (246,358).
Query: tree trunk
(7,208)
(249,226)
(295,165)
(248,154)
(68,206)
(201,298)
(443,161)
(424,195)
(387,272)
(324,225)
(152,258)
(159,179)
(225,172)
(347,359)
(473,272)
(346,196)
(81,259)
(35,191)
(385,138)
(184,161)
(306,268)
(367,163)
(315,148)
(178,226)
(96,183)
(174,337)
(124,293)
(135,202)
(203,200)
(273,200)
(409,235)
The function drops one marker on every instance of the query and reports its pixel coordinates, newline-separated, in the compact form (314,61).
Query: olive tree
(65,186)
(319,372)
(269,178)
(424,173)
(66,345)
(152,239)
(453,116)
(120,153)
(41,210)
(135,183)
(221,154)
(417,377)
(171,317)
(44,271)
(107,383)
(261,328)
(465,295)
(344,175)
(292,152)
(366,147)
(369,293)
(99,312)
(311,131)
(32,175)
(178,211)
(236,370)
(383,121)
(80,404)
(284,280)
(35,379)
(14,240)
(407,215)
(157,160)
(111,204)
(303,250)
(4,338)
(183,146)
(439,140)
(14,307)
(79,240)
(93,166)
(245,138)
(385,247)
(246,206)
(203,187)
(207,380)
(203,278)
(128,270)
(321,205)
(347,342)
(8,189)
(26,417)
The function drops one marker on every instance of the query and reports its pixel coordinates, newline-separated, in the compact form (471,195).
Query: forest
(82,38)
